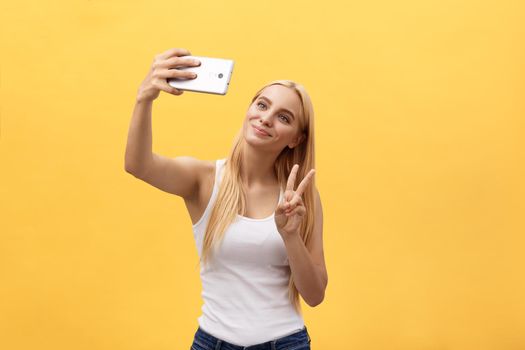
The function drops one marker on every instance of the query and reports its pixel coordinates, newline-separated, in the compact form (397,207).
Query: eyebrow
(282,109)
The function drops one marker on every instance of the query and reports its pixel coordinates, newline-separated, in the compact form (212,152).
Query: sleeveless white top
(245,284)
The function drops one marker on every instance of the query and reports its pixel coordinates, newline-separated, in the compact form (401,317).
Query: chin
(256,142)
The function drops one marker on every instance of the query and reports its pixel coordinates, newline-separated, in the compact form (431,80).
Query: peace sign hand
(291,210)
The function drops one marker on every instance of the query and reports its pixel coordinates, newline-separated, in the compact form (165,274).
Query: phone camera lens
(220,75)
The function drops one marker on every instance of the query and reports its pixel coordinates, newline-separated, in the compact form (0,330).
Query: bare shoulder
(206,169)
(203,170)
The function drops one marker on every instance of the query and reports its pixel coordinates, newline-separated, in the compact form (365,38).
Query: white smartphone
(213,76)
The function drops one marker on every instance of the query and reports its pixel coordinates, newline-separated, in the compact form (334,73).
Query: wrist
(290,237)
(142,99)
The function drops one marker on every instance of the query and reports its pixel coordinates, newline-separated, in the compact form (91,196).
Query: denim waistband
(209,342)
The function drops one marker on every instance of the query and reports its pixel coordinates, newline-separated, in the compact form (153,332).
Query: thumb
(281,208)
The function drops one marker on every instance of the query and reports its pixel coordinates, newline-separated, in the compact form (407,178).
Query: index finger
(291,178)
(177,51)
(305,182)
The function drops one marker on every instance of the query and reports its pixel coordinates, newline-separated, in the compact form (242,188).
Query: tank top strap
(219,171)
(215,191)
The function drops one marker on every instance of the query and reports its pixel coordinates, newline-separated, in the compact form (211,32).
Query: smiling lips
(260,131)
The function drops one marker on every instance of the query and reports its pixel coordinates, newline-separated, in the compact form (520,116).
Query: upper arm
(315,246)
(180,176)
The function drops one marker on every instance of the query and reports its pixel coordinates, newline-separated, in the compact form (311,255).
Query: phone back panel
(213,76)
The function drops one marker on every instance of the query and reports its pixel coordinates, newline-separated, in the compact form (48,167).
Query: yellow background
(420,163)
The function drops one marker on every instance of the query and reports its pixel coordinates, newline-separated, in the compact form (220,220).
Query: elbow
(320,297)
(127,166)
(315,302)
(130,169)
(136,168)
(133,172)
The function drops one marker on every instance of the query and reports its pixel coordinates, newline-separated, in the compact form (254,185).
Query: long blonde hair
(231,197)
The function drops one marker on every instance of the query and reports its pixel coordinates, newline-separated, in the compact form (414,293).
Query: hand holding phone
(213,76)
(165,67)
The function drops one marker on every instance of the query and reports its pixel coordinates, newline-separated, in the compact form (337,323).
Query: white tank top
(245,285)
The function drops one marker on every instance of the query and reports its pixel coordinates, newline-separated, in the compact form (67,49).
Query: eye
(281,115)
(285,117)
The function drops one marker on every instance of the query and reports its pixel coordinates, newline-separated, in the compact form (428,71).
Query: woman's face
(276,111)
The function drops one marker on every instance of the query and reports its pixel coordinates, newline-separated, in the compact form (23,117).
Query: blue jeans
(299,340)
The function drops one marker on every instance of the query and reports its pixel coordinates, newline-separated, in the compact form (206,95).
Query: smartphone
(213,76)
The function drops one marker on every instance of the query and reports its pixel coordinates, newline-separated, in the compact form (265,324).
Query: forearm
(306,274)
(139,144)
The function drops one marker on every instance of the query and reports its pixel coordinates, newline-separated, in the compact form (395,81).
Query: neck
(257,167)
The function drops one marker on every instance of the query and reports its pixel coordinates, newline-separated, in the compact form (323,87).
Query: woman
(259,237)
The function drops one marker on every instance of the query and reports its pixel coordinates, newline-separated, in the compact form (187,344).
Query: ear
(297,140)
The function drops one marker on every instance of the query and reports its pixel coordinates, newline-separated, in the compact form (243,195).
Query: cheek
(249,116)
(285,131)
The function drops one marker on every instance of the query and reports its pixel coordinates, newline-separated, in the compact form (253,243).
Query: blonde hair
(231,197)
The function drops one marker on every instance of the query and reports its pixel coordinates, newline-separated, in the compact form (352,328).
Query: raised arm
(180,175)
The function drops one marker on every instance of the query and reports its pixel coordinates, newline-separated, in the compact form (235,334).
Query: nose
(265,119)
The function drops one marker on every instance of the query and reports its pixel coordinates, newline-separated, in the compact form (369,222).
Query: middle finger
(307,179)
